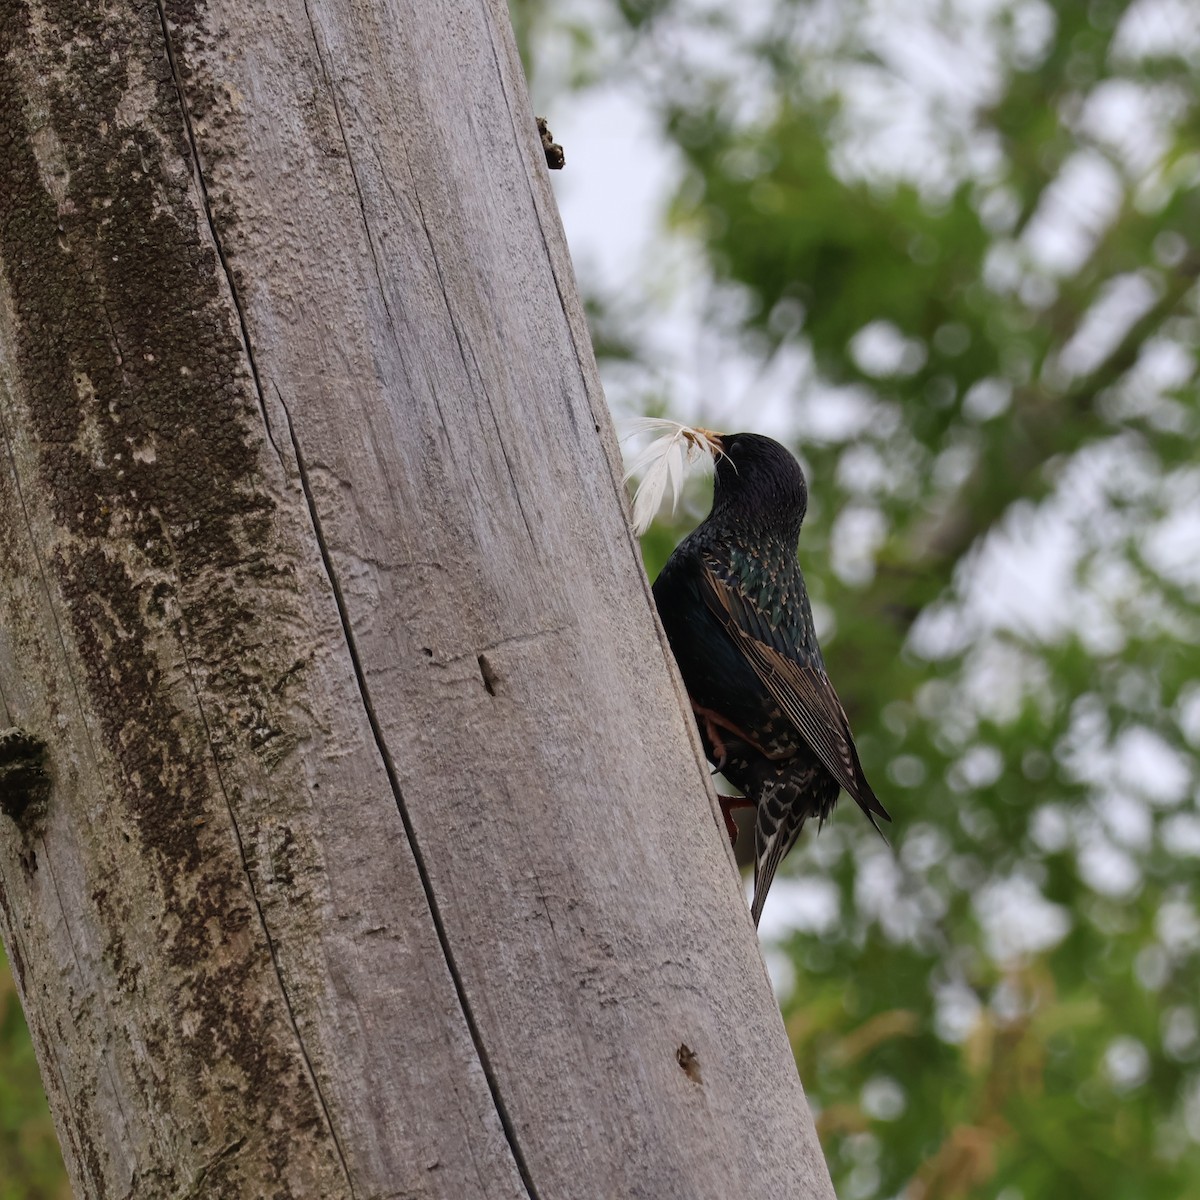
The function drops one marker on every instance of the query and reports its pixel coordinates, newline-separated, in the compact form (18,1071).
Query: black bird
(736,612)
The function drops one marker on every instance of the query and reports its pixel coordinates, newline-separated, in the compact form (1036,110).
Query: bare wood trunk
(358,846)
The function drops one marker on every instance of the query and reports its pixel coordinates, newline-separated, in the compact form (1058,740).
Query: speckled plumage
(736,612)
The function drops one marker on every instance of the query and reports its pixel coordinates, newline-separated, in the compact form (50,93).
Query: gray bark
(356,843)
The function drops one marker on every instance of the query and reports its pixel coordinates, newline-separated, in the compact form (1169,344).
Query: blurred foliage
(967,229)
(969,226)
(30,1163)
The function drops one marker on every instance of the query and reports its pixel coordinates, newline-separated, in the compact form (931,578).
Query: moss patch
(146,434)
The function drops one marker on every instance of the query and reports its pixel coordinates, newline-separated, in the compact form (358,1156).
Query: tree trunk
(354,839)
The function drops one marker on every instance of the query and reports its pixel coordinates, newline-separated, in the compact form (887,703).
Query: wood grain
(378,859)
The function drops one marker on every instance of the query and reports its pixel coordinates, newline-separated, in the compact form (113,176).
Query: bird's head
(758,482)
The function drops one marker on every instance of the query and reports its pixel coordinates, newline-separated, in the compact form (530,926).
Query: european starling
(736,612)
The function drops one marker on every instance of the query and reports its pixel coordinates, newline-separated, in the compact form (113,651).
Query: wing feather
(802,690)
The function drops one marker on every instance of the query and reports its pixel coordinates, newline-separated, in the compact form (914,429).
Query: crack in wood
(520,139)
(218,245)
(258,389)
(362,206)
(485,1064)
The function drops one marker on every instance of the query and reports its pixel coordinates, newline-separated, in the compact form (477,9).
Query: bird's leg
(708,730)
(728,804)
(710,722)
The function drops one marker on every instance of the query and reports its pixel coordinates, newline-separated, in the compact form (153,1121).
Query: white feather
(665,461)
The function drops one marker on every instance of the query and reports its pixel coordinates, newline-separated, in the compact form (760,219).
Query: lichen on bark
(141,428)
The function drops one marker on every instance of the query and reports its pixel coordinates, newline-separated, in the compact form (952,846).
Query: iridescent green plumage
(736,611)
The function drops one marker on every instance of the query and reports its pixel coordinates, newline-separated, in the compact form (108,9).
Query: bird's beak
(708,440)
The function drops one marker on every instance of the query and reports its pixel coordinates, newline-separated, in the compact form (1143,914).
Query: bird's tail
(864,795)
(776,829)
(866,799)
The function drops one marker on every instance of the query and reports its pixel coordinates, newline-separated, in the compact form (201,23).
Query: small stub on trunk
(555,158)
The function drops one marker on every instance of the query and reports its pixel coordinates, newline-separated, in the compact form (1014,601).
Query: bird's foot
(711,726)
(718,755)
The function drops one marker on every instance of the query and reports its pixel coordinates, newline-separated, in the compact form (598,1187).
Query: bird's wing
(801,688)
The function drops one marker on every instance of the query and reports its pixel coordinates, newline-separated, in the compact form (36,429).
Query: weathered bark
(359,844)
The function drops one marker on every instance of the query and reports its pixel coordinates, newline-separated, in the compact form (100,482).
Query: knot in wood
(24,781)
